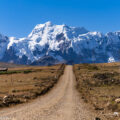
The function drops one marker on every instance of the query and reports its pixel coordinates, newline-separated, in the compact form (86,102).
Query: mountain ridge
(61,43)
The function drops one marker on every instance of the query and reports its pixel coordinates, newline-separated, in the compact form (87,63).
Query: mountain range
(49,44)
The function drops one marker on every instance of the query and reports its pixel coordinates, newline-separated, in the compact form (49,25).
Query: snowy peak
(53,36)
(49,23)
(59,43)
(49,28)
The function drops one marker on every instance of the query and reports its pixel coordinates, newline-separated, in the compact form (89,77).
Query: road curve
(61,103)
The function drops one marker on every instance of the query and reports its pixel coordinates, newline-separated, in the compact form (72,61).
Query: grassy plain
(21,84)
(99,85)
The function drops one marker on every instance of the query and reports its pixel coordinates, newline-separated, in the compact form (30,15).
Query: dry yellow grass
(26,83)
(99,84)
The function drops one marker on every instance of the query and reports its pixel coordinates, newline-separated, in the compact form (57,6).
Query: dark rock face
(60,37)
(10,56)
(46,60)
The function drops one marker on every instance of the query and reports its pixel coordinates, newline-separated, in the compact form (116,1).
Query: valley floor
(61,103)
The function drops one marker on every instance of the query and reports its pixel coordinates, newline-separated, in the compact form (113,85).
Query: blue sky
(18,17)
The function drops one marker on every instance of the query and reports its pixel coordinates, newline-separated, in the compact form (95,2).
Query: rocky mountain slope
(51,44)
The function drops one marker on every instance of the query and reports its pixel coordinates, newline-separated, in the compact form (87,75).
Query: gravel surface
(61,103)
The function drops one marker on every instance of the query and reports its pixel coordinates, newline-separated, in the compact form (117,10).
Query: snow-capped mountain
(49,44)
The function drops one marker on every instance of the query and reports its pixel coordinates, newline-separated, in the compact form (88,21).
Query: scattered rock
(10,99)
(7,99)
(116,114)
(98,108)
(97,118)
(19,80)
(26,96)
(117,100)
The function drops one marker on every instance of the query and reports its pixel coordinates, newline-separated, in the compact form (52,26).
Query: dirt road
(61,103)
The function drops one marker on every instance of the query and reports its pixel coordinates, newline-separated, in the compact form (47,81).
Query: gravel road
(61,103)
